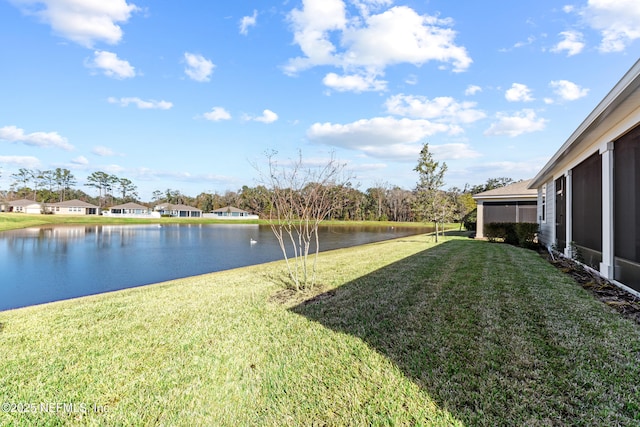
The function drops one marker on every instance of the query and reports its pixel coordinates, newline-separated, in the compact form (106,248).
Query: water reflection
(50,263)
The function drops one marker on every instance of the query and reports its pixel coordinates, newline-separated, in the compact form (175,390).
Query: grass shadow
(475,336)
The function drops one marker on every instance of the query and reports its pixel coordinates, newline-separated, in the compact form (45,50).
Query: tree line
(381,202)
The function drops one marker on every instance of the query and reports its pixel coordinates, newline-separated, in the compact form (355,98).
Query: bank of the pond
(12,221)
(405,332)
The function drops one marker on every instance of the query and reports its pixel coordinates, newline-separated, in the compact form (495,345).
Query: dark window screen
(627,200)
(506,211)
(527,211)
(499,212)
(587,203)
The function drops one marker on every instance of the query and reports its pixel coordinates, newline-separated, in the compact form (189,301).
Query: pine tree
(430,202)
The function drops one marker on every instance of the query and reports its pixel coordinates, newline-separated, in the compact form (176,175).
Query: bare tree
(302,196)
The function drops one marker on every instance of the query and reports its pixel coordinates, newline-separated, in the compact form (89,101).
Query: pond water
(44,264)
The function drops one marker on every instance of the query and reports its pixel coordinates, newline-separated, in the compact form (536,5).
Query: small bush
(514,233)
(469,220)
(526,233)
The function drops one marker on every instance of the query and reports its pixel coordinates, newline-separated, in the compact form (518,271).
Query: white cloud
(103,151)
(311,27)
(21,161)
(400,35)
(617,21)
(267,116)
(472,90)
(371,42)
(528,42)
(518,92)
(83,22)
(142,104)
(111,65)
(38,139)
(519,123)
(80,160)
(198,67)
(367,6)
(453,151)
(441,109)
(354,83)
(524,170)
(412,79)
(146,174)
(216,114)
(568,91)
(381,137)
(248,21)
(572,43)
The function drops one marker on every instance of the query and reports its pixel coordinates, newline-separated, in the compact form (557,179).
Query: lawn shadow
(394,311)
(474,347)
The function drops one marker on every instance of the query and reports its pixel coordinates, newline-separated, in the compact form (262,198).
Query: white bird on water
(253,242)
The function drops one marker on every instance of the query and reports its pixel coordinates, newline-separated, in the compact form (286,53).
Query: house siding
(600,161)
(547,226)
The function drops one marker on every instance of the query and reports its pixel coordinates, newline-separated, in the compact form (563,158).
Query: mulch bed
(617,298)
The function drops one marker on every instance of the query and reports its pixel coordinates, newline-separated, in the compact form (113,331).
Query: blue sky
(190,95)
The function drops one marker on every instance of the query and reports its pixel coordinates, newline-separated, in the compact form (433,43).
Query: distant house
(230,212)
(511,203)
(131,210)
(589,191)
(25,206)
(178,211)
(72,207)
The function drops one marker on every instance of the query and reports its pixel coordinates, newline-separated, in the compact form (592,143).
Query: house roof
(518,190)
(228,209)
(178,207)
(129,205)
(623,99)
(23,202)
(73,203)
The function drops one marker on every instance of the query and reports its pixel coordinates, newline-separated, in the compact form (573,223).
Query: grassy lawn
(407,332)
(10,221)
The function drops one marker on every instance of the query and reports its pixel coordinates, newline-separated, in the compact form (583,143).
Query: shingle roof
(23,202)
(129,205)
(73,203)
(516,190)
(229,209)
(179,208)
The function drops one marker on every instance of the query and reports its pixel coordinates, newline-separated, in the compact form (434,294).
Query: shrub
(514,233)
(469,220)
(526,233)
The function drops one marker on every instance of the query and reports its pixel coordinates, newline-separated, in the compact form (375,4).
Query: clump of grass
(405,332)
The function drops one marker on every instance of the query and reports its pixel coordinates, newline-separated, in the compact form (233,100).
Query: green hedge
(515,233)
(470,220)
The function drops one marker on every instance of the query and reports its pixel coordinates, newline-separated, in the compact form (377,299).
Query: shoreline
(11,221)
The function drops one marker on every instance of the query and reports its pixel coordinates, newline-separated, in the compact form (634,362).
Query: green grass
(10,221)
(406,333)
